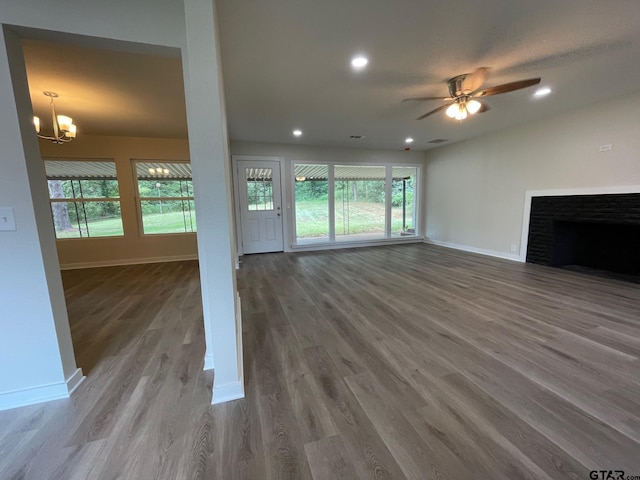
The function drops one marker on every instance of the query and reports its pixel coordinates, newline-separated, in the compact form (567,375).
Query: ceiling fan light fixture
(462,112)
(453,110)
(465,88)
(473,106)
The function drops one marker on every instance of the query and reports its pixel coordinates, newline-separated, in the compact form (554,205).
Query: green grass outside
(172,222)
(155,223)
(312,218)
(312,221)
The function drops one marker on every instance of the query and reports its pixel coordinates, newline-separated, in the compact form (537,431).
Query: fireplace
(598,234)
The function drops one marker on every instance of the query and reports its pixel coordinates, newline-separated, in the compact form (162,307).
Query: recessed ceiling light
(541,92)
(409,140)
(359,61)
(297,133)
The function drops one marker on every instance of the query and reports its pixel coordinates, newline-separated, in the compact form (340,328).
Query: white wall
(36,354)
(152,22)
(476,189)
(326,154)
(209,146)
(133,247)
(35,347)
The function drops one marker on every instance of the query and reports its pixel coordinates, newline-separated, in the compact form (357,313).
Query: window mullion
(332,203)
(388,201)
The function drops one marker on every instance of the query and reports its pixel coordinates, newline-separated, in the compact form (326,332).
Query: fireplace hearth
(594,234)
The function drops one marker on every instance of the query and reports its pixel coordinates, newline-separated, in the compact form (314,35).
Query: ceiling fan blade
(474,80)
(446,99)
(436,110)
(507,87)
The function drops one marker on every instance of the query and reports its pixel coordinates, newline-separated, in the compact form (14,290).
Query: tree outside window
(85,199)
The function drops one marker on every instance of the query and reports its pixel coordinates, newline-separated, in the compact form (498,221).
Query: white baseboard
(41,393)
(208,362)
(353,244)
(74,380)
(239,346)
(127,261)
(228,392)
(466,248)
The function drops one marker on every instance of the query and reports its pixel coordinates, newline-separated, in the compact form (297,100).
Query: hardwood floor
(408,361)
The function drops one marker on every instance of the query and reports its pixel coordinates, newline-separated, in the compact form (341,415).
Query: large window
(84,196)
(312,203)
(359,202)
(165,194)
(403,201)
(335,203)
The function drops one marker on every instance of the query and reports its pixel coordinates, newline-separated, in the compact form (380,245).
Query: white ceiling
(286,66)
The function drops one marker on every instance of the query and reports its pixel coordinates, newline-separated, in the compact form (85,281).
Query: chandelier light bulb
(65,122)
(36,123)
(71,133)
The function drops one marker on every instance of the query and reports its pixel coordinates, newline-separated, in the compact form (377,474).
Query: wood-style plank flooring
(408,361)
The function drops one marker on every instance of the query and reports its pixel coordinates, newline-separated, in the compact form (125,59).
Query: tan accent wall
(133,247)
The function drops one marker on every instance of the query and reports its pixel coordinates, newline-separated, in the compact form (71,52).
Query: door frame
(236,197)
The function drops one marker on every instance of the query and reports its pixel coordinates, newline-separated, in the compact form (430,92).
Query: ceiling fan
(465,90)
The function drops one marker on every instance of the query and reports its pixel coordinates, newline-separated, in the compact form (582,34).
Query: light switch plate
(7,220)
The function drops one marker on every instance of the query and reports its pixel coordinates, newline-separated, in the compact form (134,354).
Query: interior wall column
(37,361)
(209,152)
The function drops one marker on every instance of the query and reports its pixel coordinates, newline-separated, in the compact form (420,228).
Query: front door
(260,206)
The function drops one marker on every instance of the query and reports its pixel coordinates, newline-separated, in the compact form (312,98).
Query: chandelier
(63,128)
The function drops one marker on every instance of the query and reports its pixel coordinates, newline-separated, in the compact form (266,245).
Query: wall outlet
(514,247)
(606,147)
